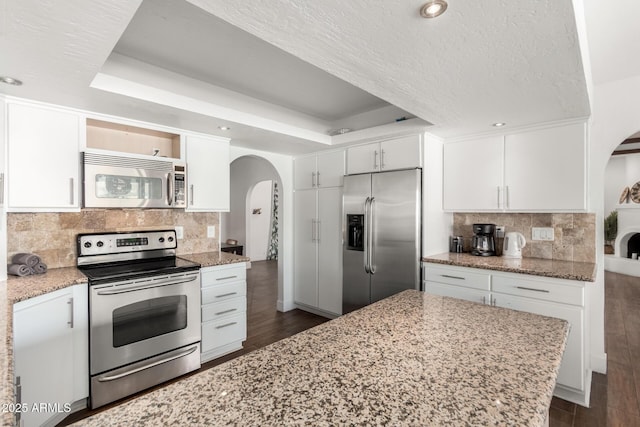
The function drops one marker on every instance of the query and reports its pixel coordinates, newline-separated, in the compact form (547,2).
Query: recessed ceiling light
(10,81)
(499,124)
(224,128)
(433,8)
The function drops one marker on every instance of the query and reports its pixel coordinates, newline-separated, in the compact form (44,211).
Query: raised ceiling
(479,63)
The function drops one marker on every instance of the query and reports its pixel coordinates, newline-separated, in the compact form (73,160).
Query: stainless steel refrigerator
(382,242)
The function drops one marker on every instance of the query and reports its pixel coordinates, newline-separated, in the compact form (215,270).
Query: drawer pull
(533,289)
(225,278)
(226,311)
(226,295)
(226,324)
(452,277)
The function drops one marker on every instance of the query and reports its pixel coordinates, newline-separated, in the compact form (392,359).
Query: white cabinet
(319,170)
(318,249)
(208,181)
(43,166)
(224,309)
(458,283)
(532,171)
(398,153)
(51,354)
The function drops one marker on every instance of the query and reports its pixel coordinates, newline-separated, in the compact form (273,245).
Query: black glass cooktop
(126,270)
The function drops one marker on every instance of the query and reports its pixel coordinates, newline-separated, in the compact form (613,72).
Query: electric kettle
(513,244)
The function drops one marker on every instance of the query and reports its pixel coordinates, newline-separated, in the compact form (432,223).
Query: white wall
(259,224)
(284,167)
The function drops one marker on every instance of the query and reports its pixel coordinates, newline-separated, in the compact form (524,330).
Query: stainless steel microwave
(112,180)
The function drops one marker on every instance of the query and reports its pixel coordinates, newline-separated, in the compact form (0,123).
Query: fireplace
(626,244)
(633,245)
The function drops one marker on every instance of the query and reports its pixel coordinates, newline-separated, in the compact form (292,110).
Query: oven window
(148,319)
(128,187)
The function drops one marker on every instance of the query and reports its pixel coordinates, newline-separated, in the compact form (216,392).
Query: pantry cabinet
(392,154)
(538,170)
(318,249)
(43,166)
(51,327)
(319,170)
(560,298)
(208,181)
(224,309)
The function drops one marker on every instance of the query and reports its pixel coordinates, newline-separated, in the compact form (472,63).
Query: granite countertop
(582,271)
(210,259)
(411,359)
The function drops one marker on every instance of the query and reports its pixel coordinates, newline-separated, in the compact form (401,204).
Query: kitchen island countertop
(411,359)
(582,271)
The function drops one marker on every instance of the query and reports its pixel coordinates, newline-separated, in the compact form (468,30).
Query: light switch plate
(179,232)
(211,231)
(542,233)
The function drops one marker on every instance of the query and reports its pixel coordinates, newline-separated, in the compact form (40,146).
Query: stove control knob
(161,240)
(87,245)
(170,238)
(100,244)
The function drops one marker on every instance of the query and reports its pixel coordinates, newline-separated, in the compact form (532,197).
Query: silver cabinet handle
(545,291)
(381,159)
(506,197)
(71,192)
(70,322)
(150,365)
(225,311)
(375,159)
(318,179)
(2,188)
(313,230)
(313,179)
(318,230)
(452,277)
(226,325)
(226,295)
(18,399)
(372,255)
(499,203)
(366,235)
(191,198)
(484,300)
(225,278)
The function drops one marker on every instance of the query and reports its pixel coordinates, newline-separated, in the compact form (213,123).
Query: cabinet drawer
(224,308)
(459,277)
(217,333)
(224,274)
(223,292)
(547,290)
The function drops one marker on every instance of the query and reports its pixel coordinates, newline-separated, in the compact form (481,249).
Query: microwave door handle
(170,189)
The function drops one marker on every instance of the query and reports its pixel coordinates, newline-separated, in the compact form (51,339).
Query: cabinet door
(473,175)
(207,174)
(43,346)
(330,171)
(43,159)
(305,236)
(363,158)
(572,369)
(330,250)
(401,153)
(545,170)
(459,292)
(304,169)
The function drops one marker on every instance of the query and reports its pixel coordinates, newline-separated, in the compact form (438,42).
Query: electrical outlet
(542,233)
(500,231)
(211,231)
(179,232)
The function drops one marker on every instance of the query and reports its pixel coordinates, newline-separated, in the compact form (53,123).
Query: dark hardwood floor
(615,396)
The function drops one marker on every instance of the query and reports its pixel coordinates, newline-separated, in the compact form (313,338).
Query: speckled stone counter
(210,259)
(411,359)
(582,271)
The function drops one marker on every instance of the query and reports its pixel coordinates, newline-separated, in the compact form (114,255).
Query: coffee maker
(483,242)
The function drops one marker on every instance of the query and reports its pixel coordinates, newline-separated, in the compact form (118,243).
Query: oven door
(136,319)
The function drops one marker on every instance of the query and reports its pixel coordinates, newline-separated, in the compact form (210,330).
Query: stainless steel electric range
(144,311)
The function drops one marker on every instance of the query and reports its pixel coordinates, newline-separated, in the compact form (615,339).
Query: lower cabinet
(563,299)
(224,309)
(51,355)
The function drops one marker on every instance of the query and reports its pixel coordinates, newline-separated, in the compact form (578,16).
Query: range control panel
(116,243)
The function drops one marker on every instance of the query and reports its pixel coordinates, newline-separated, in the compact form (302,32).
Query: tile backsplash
(52,236)
(575,234)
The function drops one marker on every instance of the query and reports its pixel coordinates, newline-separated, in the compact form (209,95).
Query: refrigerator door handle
(366,235)
(372,258)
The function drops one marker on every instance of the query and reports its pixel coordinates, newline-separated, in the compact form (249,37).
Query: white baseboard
(599,363)
(285,306)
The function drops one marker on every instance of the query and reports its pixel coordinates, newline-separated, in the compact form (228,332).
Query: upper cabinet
(43,166)
(398,153)
(534,171)
(319,170)
(208,180)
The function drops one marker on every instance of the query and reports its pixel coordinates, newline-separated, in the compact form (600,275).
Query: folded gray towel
(18,269)
(23,258)
(39,268)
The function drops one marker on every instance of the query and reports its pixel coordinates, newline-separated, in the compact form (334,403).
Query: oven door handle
(150,365)
(144,287)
